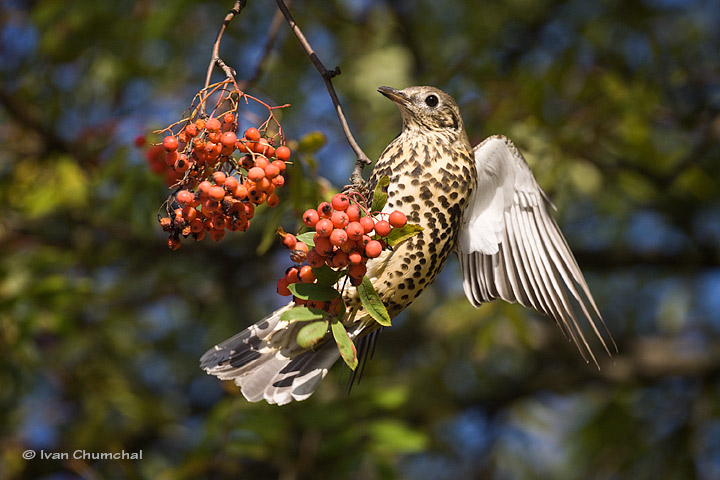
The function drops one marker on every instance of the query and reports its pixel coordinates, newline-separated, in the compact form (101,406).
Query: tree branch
(327,75)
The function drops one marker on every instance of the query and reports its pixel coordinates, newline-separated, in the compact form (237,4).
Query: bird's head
(427,109)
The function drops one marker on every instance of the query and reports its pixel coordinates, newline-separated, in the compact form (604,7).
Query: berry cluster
(220,178)
(345,236)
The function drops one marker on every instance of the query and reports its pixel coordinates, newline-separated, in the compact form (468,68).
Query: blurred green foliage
(615,105)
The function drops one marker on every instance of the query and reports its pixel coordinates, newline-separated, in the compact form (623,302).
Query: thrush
(481,203)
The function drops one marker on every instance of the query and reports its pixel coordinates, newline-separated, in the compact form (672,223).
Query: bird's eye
(431,100)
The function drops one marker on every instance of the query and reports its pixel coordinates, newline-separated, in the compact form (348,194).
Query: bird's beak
(394,94)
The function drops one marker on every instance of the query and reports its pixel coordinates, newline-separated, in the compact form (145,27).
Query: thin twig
(215,59)
(327,75)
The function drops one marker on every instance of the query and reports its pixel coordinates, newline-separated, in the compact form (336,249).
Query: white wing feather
(511,248)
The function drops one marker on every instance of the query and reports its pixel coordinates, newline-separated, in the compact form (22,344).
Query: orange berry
(181,164)
(282,287)
(170,143)
(355,258)
(289,240)
(383,228)
(231,183)
(310,217)
(184,197)
(339,219)
(314,259)
(278,181)
(191,130)
(240,192)
(261,162)
(228,139)
(196,226)
(173,242)
(348,246)
(252,134)
(204,188)
(228,118)
(338,237)
(340,201)
(306,274)
(368,224)
(373,249)
(283,153)
(397,219)
(323,246)
(353,213)
(324,227)
(216,193)
(272,200)
(171,158)
(340,259)
(256,174)
(241,146)
(213,125)
(219,178)
(200,123)
(217,234)
(355,230)
(357,270)
(271,171)
(292,274)
(280,165)
(189,213)
(325,210)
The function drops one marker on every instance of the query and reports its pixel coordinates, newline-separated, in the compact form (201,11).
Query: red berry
(310,217)
(340,260)
(204,188)
(213,124)
(306,274)
(170,143)
(140,141)
(219,178)
(382,228)
(290,241)
(325,210)
(228,118)
(271,171)
(373,249)
(397,219)
(340,201)
(252,134)
(278,181)
(292,274)
(353,213)
(231,183)
(216,193)
(355,230)
(185,197)
(339,219)
(272,200)
(338,237)
(357,270)
(355,258)
(314,259)
(324,227)
(228,139)
(173,243)
(282,287)
(191,130)
(368,224)
(283,153)
(256,174)
(323,246)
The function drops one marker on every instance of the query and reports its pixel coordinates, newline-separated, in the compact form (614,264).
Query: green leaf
(372,303)
(327,276)
(302,314)
(313,291)
(311,142)
(399,235)
(345,345)
(312,333)
(379,195)
(307,238)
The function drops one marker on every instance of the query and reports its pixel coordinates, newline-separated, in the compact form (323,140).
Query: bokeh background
(616,106)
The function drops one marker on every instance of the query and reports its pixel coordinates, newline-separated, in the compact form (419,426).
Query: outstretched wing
(511,248)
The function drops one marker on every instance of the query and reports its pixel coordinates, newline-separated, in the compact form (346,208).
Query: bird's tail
(267,363)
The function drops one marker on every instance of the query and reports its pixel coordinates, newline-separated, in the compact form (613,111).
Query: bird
(481,203)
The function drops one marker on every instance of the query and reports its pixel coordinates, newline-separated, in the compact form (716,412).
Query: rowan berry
(340,201)
(181,164)
(299,254)
(231,183)
(228,139)
(357,270)
(264,148)
(189,213)
(228,118)
(196,226)
(282,153)
(289,240)
(170,143)
(323,245)
(213,124)
(325,210)
(171,158)
(184,197)
(261,162)
(338,237)
(256,174)
(271,171)
(353,213)
(240,192)
(314,259)
(355,258)
(204,188)
(306,274)
(200,124)
(191,130)
(252,134)
(383,228)
(166,224)
(173,242)
(278,181)
(216,193)
(280,165)
(340,259)
(316,304)
(368,224)
(282,287)
(219,178)
(292,274)
(272,200)
(339,219)
(348,246)
(214,137)
(373,249)
(324,227)
(241,146)
(397,219)
(354,230)
(310,217)
(217,234)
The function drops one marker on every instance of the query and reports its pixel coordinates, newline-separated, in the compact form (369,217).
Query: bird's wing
(511,248)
